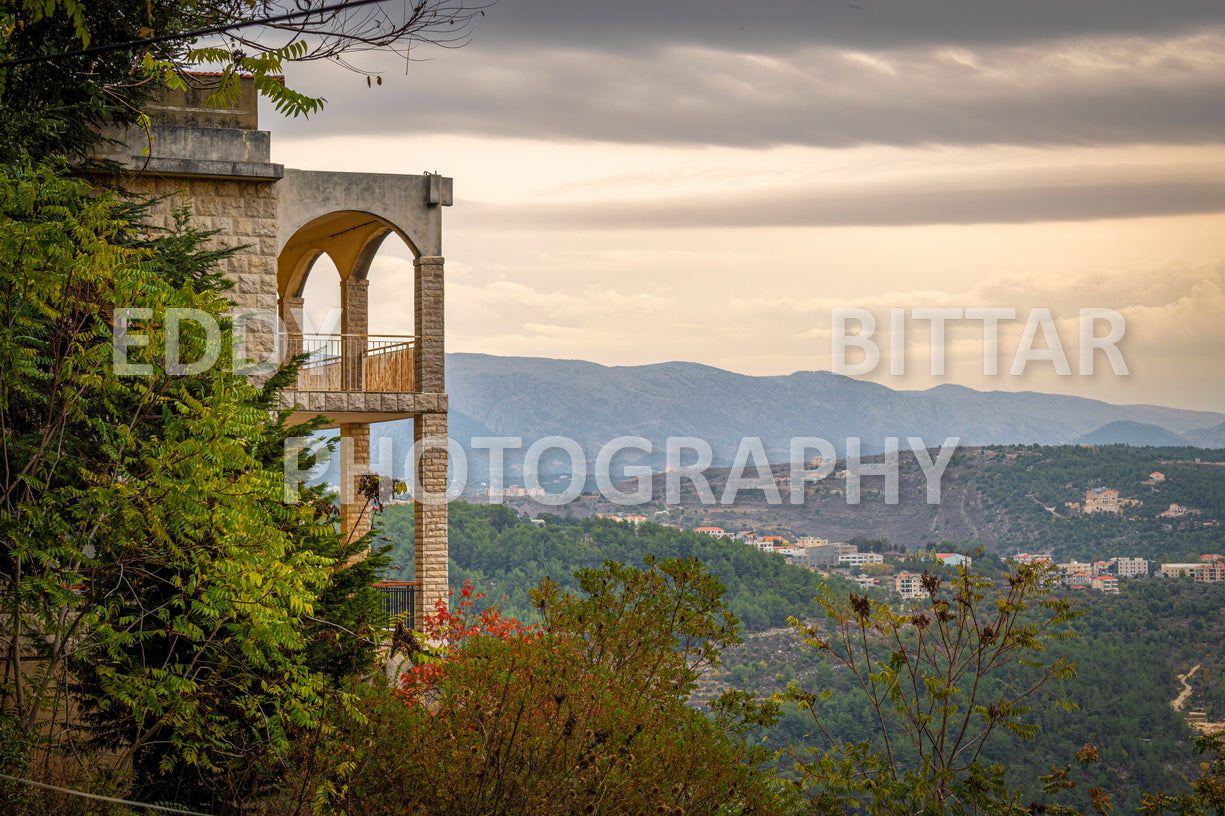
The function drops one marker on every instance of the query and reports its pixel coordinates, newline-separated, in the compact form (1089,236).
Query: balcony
(356,379)
(398,602)
(373,363)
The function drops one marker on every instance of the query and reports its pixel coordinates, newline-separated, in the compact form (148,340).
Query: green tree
(931,677)
(1207,796)
(152,577)
(54,99)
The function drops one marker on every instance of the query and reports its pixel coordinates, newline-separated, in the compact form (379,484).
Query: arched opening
(321,298)
(355,343)
(391,287)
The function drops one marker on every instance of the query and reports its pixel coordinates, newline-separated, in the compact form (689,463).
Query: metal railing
(399,602)
(354,362)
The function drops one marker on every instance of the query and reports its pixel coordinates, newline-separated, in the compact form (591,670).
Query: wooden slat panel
(320,375)
(390,368)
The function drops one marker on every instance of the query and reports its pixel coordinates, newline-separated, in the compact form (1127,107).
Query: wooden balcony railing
(354,362)
(399,598)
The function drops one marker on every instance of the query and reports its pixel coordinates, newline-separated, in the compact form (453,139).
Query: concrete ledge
(198,168)
(228,153)
(343,407)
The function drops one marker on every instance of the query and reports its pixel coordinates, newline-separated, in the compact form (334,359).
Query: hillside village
(892,571)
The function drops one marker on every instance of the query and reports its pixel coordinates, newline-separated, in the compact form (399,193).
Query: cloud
(870,24)
(518,319)
(1183,289)
(992,197)
(1171,318)
(704,179)
(1116,89)
(499,297)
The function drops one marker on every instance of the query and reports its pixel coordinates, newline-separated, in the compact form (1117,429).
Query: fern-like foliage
(265,69)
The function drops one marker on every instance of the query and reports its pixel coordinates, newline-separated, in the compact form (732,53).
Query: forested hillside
(1037,493)
(1128,652)
(1007,499)
(505,556)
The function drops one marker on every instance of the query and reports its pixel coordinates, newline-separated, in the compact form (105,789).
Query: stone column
(291,310)
(428,363)
(430,510)
(354,325)
(430,476)
(354,462)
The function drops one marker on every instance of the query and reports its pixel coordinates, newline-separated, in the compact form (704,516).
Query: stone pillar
(428,363)
(354,325)
(430,510)
(292,309)
(354,462)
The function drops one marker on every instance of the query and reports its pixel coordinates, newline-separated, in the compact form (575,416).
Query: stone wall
(244,216)
(244,213)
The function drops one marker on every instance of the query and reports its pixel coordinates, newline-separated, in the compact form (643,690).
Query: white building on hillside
(859,559)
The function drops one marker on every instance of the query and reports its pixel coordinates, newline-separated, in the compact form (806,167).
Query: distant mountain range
(533,398)
(1136,434)
(1213,437)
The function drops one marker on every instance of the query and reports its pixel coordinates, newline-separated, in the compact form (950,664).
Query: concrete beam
(349,407)
(401,201)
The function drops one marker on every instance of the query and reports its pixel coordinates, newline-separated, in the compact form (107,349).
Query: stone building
(1102,500)
(1212,572)
(824,556)
(909,585)
(218,163)
(1129,567)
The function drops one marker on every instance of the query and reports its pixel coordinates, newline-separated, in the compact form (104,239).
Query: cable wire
(100,798)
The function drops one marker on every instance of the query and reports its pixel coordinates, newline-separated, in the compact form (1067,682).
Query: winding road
(1178,701)
(1203,726)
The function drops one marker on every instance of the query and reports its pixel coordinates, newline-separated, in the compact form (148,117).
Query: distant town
(888,570)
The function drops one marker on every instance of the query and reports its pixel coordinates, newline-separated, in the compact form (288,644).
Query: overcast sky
(641,181)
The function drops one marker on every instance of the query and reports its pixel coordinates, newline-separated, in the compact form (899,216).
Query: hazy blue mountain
(1136,434)
(1213,437)
(533,398)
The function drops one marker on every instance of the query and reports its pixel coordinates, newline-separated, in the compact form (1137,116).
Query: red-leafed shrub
(584,713)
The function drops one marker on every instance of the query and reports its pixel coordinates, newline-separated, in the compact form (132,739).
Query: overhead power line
(112,800)
(202,32)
